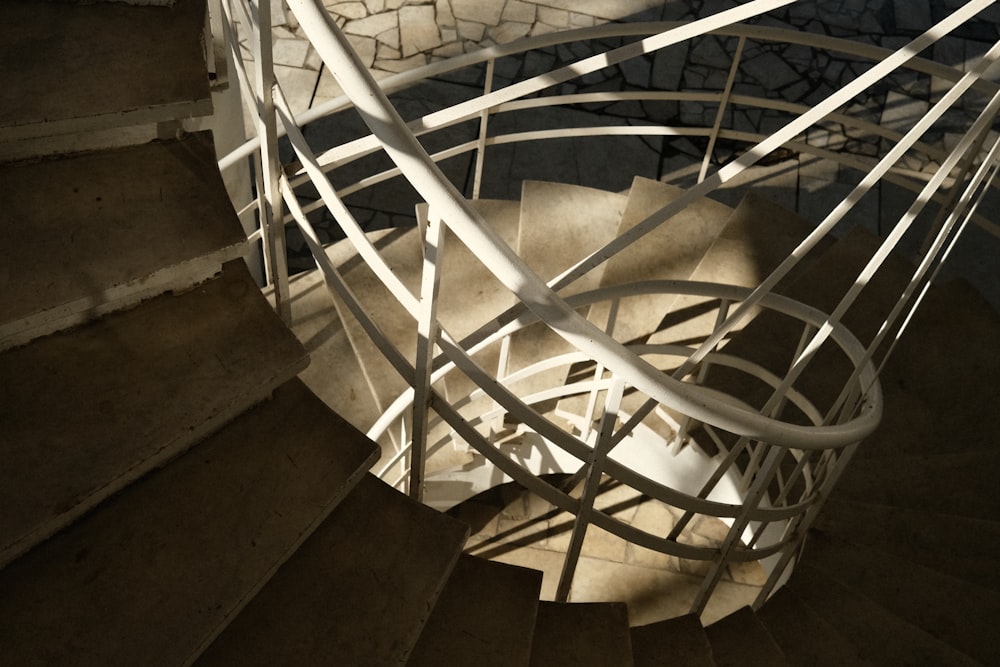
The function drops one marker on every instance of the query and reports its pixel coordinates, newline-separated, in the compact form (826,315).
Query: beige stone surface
(483,617)
(70,81)
(581,634)
(112,226)
(87,412)
(361,588)
(155,573)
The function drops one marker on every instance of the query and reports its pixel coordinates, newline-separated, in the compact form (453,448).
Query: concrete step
(741,639)
(357,592)
(677,641)
(804,637)
(957,612)
(964,548)
(881,637)
(485,616)
(559,225)
(88,411)
(402,250)
(961,484)
(943,360)
(318,327)
(107,69)
(771,340)
(157,571)
(100,231)
(470,296)
(591,634)
(671,252)
(756,237)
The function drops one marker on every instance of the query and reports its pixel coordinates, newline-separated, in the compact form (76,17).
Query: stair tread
(470,296)
(589,634)
(401,249)
(90,410)
(741,639)
(682,639)
(110,228)
(804,637)
(671,252)
(484,616)
(957,612)
(756,237)
(83,82)
(358,591)
(582,219)
(963,547)
(958,323)
(881,636)
(951,483)
(197,538)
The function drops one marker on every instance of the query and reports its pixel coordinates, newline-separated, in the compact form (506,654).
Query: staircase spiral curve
(174,492)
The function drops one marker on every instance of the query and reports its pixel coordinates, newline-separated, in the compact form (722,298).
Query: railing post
(727,91)
(484,120)
(270,212)
(427,331)
(740,523)
(685,425)
(594,471)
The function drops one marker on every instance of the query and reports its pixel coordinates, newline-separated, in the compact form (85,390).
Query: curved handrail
(855,352)
(413,161)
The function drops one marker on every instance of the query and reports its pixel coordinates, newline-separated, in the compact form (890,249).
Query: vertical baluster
(740,523)
(727,91)
(484,120)
(594,471)
(427,331)
(271,218)
(685,425)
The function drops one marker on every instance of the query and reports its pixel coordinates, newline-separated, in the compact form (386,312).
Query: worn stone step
(803,636)
(671,252)
(485,616)
(881,636)
(741,639)
(96,232)
(963,547)
(957,612)
(756,237)
(88,411)
(589,634)
(105,70)
(157,571)
(560,225)
(370,383)
(470,296)
(948,339)
(357,592)
(960,483)
(677,641)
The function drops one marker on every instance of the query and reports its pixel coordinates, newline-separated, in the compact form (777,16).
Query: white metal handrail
(819,450)
(451,206)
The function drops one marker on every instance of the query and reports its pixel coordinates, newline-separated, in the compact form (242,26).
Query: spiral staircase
(173,493)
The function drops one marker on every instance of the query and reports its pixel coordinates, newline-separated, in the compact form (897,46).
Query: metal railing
(786,467)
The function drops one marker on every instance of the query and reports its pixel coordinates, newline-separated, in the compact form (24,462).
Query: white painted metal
(767,522)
